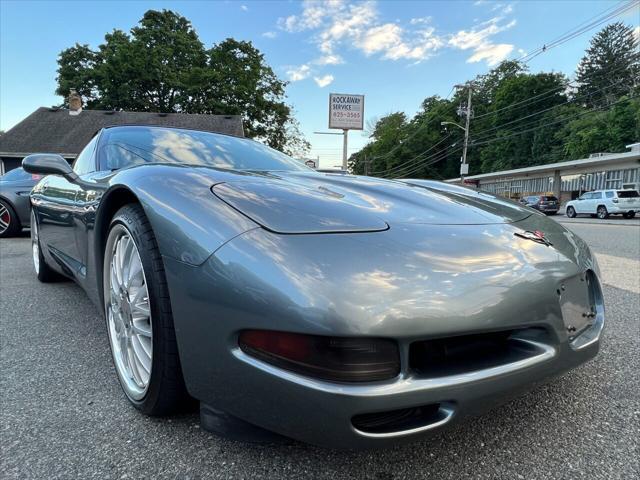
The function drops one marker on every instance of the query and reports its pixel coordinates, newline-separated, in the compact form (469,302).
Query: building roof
(551,167)
(56,131)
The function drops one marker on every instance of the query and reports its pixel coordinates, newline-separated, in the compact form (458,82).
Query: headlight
(341,359)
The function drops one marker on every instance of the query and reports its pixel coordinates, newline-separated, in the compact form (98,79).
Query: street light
(452,123)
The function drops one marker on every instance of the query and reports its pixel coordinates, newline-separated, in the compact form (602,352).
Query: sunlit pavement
(63,415)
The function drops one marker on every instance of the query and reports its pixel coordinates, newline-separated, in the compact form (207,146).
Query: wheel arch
(112,201)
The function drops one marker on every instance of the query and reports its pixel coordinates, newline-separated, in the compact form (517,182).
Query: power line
(433,160)
(595,21)
(569,101)
(405,164)
(606,107)
(413,134)
(414,168)
(388,170)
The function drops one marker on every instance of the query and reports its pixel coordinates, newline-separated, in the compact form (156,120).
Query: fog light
(341,359)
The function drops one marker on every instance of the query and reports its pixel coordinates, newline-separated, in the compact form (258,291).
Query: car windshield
(628,194)
(128,146)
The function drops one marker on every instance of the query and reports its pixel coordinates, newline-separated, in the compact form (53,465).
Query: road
(63,414)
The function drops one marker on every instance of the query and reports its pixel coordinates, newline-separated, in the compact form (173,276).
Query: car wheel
(571,212)
(629,214)
(9,223)
(602,212)
(138,315)
(43,271)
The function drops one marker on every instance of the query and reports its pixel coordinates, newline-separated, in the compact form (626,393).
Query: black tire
(10,225)
(602,212)
(571,212)
(166,392)
(629,214)
(43,271)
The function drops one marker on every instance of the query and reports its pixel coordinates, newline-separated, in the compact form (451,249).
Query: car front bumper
(411,291)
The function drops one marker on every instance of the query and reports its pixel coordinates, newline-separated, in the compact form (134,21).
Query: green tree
(602,131)
(162,66)
(519,104)
(239,81)
(610,67)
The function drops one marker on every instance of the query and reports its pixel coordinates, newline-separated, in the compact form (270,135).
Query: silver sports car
(344,311)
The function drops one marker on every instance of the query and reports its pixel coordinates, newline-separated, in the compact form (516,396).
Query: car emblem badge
(536,236)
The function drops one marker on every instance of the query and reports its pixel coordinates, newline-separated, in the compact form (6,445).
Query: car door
(61,217)
(595,200)
(582,203)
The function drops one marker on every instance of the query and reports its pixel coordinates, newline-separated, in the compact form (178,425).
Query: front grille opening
(395,421)
(443,357)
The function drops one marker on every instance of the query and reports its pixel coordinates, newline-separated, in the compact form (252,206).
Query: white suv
(602,203)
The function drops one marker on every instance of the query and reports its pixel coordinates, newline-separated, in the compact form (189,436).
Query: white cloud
(380,38)
(244,8)
(336,25)
(311,17)
(420,20)
(330,59)
(478,41)
(270,34)
(323,81)
(299,73)
(492,53)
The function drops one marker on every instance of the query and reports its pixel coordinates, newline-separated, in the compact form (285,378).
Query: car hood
(301,202)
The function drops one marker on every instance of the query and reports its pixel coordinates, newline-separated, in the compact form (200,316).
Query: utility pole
(344,149)
(464,168)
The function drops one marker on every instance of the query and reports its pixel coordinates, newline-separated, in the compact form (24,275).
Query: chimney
(75,102)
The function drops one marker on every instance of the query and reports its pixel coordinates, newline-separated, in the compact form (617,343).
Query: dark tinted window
(85,161)
(130,146)
(586,196)
(628,194)
(608,194)
(16,174)
(549,198)
(596,195)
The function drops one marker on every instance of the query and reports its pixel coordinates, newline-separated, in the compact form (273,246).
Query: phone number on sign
(345,114)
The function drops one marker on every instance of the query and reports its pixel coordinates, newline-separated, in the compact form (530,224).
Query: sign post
(346,112)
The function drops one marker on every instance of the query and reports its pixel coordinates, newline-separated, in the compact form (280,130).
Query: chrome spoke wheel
(35,244)
(5,218)
(128,312)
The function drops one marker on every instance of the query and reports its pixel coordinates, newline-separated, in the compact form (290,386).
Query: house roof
(55,131)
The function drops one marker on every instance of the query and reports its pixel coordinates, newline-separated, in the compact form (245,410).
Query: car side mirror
(49,164)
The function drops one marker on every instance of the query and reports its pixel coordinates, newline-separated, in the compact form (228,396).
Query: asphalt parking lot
(63,414)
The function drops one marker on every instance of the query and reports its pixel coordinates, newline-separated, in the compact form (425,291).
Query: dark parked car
(15,187)
(544,203)
(339,310)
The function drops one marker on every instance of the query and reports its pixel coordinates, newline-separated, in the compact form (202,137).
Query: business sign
(346,111)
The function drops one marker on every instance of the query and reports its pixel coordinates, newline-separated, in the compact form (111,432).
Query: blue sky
(396,53)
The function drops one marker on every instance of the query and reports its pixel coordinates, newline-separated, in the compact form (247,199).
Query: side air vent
(403,421)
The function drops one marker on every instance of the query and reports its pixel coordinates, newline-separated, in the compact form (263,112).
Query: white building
(565,180)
